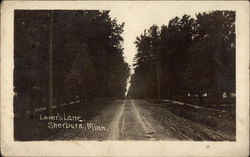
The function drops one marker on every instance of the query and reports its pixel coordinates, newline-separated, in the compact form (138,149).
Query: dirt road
(131,122)
(141,120)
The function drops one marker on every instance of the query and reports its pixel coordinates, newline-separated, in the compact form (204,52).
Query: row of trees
(189,56)
(87,55)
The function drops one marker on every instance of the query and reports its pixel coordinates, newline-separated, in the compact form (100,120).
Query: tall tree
(87,54)
(196,56)
(213,54)
(176,38)
(147,61)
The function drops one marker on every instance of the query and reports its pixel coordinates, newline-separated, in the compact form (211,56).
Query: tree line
(87,55)
(187,57)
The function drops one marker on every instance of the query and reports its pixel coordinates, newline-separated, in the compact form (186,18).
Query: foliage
(196,56)
(87,54)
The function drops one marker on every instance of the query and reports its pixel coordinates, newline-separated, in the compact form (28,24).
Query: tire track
(150,132)
(115,124)
(148,129)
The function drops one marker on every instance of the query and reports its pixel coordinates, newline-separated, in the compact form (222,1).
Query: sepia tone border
(9,147)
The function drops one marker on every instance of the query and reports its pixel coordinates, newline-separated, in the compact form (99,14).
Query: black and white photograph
(125,74)
(71,79)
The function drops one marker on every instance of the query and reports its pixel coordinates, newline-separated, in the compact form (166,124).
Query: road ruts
(130,123)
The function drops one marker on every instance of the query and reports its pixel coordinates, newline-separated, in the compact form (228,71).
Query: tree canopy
(86,48)
(196,56)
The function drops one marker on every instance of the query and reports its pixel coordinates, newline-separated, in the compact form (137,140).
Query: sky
(137,18)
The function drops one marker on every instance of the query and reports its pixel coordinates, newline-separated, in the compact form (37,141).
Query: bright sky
(137,19)
(140,16)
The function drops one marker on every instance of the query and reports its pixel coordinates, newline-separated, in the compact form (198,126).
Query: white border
(125,148)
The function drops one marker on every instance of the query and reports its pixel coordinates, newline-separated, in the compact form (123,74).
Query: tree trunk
(104,84)
(158,80)
(50,100)
(218,99)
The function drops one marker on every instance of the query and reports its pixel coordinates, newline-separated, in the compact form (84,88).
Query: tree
(214,54)
(166,50)
(146,80)
(87,54)
(176,38)
(196,56)
(30,59)
(100,38)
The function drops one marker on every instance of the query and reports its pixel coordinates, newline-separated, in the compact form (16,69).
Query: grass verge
(31,128)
